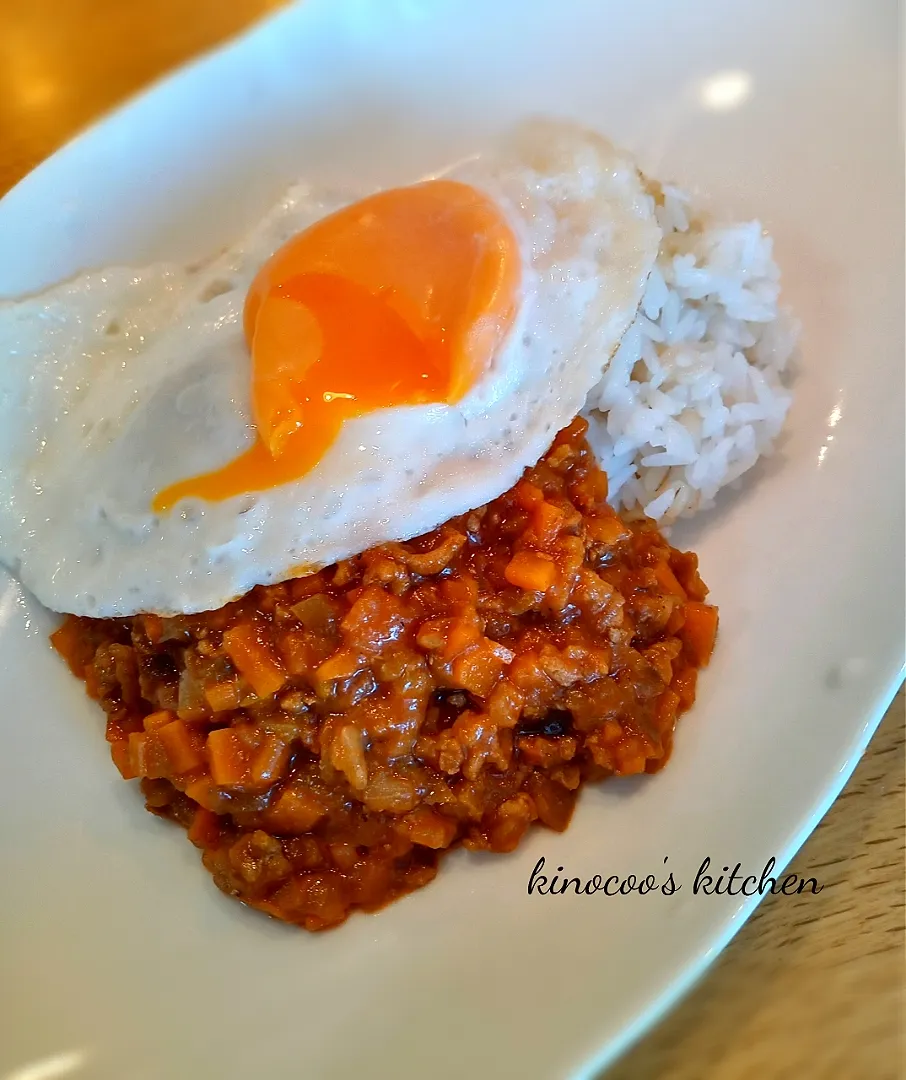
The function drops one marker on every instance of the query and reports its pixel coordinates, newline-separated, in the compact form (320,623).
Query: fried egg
(356,369)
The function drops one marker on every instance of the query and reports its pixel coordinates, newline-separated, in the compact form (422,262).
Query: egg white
(120,382)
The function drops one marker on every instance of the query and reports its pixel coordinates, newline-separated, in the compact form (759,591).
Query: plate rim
(679,981)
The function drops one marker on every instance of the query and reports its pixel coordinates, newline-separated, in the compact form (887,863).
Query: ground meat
(324,740)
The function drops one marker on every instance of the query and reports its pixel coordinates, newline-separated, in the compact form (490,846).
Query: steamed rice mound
(695,394)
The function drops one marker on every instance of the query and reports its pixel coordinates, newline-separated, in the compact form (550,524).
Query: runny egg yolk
(400,299)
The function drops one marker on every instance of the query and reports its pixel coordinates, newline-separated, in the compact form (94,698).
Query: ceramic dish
(118,957)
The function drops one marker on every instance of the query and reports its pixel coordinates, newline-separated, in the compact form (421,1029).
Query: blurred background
(65,62)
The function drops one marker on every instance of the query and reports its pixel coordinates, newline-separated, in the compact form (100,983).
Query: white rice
(695,393)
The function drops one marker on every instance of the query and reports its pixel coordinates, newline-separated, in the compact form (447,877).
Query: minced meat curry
(326,739)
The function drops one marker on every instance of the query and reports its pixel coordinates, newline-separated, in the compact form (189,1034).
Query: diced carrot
(269,762)
(525,673)
(425,827)
(631,764)
(464,631)
(531,570)
(668,580)
(685,565)
(528,495)
(684,685)
(478,668)
(301,650)
(223,696)
(248,735)
(204,792)
(73,645)
(631,754)
(294,651)
(255,661)
(296,811)
(676,620)
(667,706)
(121,727)
(612,730)
(137,741)
(92,681)
(343,664)
(460,590)
(607,529)
(147,756)
(122,758)
(205,828)
(226,758)
(433,634)
(183,748)
(154,721)
(547,521)
(699,631)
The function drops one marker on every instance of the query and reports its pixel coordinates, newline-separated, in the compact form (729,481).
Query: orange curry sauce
(326,739)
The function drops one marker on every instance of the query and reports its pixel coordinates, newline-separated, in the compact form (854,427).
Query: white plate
(118,955)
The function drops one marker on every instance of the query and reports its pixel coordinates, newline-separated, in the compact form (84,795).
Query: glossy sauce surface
(326,739)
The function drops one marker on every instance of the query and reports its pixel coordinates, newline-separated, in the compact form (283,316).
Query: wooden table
(810,988)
